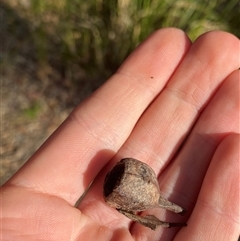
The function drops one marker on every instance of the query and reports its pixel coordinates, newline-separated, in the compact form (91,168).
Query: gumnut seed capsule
(132,186)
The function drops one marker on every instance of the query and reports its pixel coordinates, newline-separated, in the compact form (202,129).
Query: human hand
(173,105)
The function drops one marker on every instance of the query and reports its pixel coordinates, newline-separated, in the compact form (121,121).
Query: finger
(163,127)
(182,179)
(66,164)
(164,124)
(220,118)
(216,214)
(28,215)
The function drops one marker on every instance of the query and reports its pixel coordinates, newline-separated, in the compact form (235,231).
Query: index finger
(70,159)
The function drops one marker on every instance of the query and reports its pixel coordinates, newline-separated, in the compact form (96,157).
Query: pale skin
(168,93)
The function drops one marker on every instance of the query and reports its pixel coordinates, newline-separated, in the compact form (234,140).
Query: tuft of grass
(97,35)
(32,111)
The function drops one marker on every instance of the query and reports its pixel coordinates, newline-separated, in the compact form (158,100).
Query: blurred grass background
(56,52)
(98,34)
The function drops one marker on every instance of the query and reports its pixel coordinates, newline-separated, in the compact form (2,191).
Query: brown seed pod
(132,186)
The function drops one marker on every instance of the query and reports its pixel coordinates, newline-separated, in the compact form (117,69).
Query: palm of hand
(173,105)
